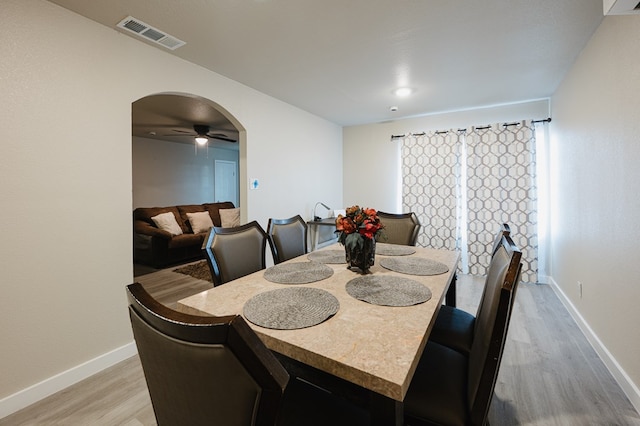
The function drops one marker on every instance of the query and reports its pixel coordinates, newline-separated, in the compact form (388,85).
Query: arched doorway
(169,167)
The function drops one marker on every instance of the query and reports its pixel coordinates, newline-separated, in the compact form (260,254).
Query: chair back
(491,327)
(235,252)
(204,370)
(287,238)
(505,229)
(400,228)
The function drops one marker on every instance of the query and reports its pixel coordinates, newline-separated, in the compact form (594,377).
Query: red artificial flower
(364,222)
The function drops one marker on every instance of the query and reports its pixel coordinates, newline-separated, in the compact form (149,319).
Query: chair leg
(385,411)
(450,298)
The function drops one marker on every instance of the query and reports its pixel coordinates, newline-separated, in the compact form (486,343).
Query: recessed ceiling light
(403,91)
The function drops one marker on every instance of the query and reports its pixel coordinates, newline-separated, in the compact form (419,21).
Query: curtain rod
(440,132)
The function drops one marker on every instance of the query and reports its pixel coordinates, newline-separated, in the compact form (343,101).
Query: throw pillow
(200,222)
(230,218)
(167,222)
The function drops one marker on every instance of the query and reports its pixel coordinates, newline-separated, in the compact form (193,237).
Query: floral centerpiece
(357,232)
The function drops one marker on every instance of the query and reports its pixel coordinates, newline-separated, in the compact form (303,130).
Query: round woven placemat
(385,249)
(414,265)
(388,290)
(291,308)
(297,273)
(328,256)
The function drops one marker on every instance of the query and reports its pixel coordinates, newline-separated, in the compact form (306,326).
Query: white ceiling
(342,59)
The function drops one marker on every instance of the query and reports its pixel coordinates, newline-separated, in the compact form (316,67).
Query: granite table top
(376,347)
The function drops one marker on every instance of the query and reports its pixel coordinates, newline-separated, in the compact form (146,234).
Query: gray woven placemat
(385,249)
(414,265)
(328,256)
(297,273)
(291,308)
(387,290)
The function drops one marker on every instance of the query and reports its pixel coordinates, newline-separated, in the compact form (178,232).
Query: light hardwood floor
(549,374)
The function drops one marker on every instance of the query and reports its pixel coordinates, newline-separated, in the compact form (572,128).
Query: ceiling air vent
(621,7)
(150,33)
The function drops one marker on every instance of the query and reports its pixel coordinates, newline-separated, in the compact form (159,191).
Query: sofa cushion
(230,218)
(167,222)
(186,240)
(214,210)
(199,222)
(146,213)
(189,208)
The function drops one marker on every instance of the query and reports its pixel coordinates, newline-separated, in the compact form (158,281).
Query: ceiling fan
(203,134)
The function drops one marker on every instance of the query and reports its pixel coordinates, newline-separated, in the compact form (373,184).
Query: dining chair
(287,238)
(449,388)
(400,228)
(454,327)
(235,252)
(203,370)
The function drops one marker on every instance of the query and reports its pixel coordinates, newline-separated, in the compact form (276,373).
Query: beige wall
(596,203)
(66,88)
(169,173)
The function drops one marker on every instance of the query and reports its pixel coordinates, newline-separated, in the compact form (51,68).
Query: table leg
(450,298)
(314,238)
(385,411)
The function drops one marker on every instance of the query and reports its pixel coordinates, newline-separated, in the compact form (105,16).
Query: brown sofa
(157,248)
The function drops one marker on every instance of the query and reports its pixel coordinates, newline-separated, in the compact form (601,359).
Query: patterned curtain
(466,184)
(431,187)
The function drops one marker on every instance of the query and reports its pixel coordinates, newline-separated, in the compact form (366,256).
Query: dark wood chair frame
(490,355)
(505,229)
(213,260)
(231,331)
(486,386)
(443,331)
(274,241)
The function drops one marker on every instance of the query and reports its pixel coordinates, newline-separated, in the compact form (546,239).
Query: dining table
(364,329)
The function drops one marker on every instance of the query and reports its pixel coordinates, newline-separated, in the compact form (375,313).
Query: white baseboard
(39,391)
(625,382)
(544,279)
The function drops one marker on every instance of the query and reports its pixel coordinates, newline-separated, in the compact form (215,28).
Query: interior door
(226,181)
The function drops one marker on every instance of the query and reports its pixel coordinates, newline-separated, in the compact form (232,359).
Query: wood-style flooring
(549,375)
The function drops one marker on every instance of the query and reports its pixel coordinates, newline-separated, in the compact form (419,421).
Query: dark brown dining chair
(203,370)
(235,252)
(454,327)
(287,238)
(400,228)
(449,388)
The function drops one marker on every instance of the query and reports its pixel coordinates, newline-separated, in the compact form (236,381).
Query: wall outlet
(580,289)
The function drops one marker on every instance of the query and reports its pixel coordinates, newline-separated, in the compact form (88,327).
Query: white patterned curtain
(464,184)
(431,187)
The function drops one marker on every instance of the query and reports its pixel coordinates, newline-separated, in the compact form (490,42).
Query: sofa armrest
(142,227)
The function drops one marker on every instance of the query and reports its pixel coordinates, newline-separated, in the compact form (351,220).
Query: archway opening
(169,168)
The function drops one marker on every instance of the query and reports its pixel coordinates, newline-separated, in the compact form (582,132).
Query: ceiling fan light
(201,140)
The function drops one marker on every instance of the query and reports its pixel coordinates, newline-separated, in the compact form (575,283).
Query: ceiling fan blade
(221,137)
